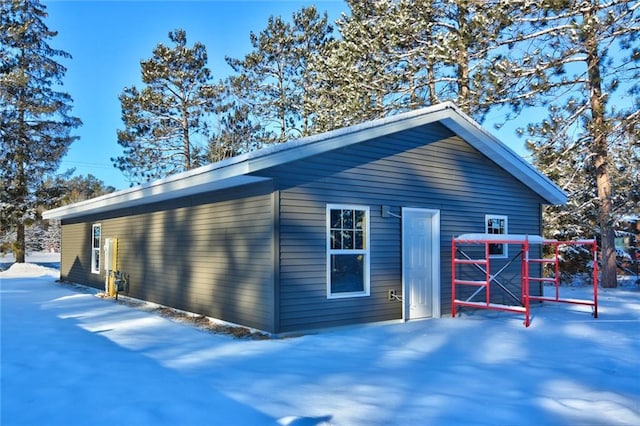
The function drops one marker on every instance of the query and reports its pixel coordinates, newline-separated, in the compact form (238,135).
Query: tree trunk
(605,216)
(282,101)
(598,131)
(186,143)
(20,247)
(463,60)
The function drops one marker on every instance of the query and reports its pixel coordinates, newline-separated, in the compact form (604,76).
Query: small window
(497,225)
(95,248)
(347,251)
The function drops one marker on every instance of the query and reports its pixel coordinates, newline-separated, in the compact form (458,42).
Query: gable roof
(242,169)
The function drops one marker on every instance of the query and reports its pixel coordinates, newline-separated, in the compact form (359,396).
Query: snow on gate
(472,253)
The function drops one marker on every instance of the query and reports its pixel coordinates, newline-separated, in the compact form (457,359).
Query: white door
(420,263)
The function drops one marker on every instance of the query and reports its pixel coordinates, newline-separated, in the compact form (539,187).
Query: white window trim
(505,247)
(365,251)
(95,270)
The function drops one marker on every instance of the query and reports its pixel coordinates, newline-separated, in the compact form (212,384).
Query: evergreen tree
(80,188)
(358,76)
(401,55)
(576,56)
(35,120)
(166,127)
(236,134)
(45,235)
(273,81)
(53,237)
(569,55)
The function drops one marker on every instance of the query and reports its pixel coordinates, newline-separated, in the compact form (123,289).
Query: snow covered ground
(71,358)
(42,258)
(35,257)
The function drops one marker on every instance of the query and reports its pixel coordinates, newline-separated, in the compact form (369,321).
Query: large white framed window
(347,251)
(96,231)
(497,224)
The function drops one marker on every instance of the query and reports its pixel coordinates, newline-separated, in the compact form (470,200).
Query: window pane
(96,237)
(497,226)
(347,219)
(336,240)
(95,248)
(359,219)
(347,273)
(359,240)
(336,219)
(347,240)
(496,248)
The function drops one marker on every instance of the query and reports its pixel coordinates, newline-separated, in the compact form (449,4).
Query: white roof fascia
(216,175)
(234,171)
(147,194)
(276,155)
(446,113)
(506,158)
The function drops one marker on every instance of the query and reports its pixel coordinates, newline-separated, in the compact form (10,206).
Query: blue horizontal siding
(426,167)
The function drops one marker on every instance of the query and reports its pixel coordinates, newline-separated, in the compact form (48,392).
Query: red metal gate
(460,259)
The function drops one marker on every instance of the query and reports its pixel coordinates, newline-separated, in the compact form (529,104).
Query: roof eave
(236,171)
(147,194)
(495,150)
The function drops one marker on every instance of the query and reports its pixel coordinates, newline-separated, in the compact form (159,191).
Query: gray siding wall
(75,259)
(426,167)
(212,254)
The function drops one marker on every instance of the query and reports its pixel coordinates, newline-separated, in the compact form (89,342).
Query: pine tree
(35,120)
(394,56)
(236,134)
(576,56)
(80,188)
(358,76)
(45,235)
(166,127)
(273,80)
(570,55)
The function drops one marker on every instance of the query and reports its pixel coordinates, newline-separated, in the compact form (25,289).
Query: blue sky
(108,39)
